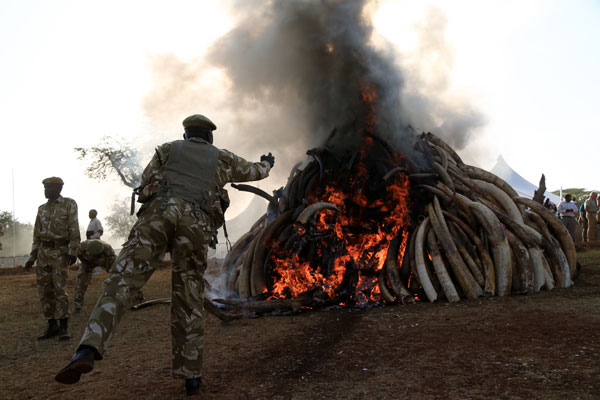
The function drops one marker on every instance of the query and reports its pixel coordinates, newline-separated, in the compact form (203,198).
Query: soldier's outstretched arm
(237,169)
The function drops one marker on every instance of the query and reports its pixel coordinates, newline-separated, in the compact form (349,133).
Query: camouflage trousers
(158,230)
(84,276)
(51,274)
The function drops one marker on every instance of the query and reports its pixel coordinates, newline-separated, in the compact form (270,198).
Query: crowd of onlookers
(574,215)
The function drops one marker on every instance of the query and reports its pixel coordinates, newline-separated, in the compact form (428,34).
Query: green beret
(53,179)
(94,247)
(199,120)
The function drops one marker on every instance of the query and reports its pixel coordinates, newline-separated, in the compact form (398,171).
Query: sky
(75,71)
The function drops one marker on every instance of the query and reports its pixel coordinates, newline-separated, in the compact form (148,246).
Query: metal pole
(14,221)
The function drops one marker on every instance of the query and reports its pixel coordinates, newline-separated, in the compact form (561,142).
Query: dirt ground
(543,346)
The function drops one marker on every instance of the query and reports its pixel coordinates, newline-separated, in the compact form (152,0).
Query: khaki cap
(198,120)
(53,179)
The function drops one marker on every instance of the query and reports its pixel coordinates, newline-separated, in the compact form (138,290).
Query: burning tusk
(393,172)
(391,268)
(312,209)
(257,272)
(385,292)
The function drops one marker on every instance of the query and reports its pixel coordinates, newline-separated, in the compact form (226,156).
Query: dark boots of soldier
(63,330)
(192,386)
(51,330)
(81,363)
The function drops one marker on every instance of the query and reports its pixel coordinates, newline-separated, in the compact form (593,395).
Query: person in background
(550,205)
(568,212)
(591,212)
(55,246)
(94,229)
(92,253)
(583,221)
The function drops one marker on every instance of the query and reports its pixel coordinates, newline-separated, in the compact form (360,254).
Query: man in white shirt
(94,229)
(568,213)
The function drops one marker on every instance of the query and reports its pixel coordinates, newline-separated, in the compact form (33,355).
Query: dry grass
(544,346)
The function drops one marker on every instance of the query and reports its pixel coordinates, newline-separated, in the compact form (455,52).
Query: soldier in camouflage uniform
(92,253)
(55,246)
(184,200)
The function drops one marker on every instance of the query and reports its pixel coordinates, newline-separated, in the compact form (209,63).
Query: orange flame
(358,235)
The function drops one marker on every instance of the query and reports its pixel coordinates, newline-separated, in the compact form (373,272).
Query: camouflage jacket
(230,168)
(56,221)
(104,259)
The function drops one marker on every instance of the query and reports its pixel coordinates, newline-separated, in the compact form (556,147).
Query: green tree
(24,236)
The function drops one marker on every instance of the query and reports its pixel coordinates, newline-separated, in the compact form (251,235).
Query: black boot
(51,331)
(63,330)
(81,363)
(192,386)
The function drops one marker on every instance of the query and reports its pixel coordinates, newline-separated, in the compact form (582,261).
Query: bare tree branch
(112,155)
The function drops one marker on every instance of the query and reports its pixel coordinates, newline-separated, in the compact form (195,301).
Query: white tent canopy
(523,187)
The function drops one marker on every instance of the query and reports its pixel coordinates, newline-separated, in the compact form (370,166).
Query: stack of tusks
(478,238)
(475,213)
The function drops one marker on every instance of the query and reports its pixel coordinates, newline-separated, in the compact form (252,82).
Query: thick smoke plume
(290,72)
(316,59)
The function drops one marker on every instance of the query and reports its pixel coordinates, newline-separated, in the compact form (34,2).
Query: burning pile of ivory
(369,227)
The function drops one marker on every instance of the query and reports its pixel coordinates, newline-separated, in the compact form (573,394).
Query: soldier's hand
(71,259)
(270,158)
(28,265)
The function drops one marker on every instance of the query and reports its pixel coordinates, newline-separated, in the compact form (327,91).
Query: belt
(568,216)
(55,243)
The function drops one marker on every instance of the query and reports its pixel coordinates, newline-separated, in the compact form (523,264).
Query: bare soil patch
(544,346)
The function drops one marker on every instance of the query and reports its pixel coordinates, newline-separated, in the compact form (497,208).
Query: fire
(339,255)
